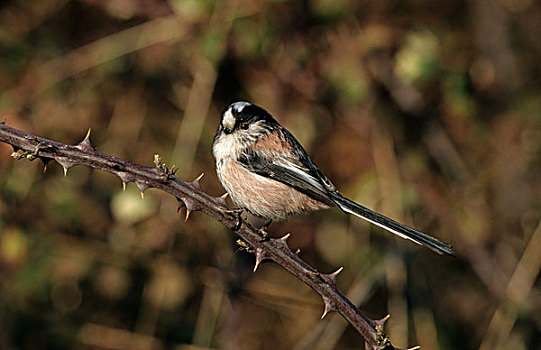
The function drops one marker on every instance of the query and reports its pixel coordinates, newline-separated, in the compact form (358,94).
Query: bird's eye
(244,126)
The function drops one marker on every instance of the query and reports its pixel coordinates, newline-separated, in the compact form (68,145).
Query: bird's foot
(263,231)
(238,212)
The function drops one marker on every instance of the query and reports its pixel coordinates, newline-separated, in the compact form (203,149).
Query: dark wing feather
(296,169)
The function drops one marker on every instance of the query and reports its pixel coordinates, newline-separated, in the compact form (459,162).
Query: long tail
(390,225)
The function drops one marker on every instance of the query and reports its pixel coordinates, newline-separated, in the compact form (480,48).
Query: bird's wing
(294,167)
(288,165)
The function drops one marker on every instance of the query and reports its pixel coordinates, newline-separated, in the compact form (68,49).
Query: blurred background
(428,111)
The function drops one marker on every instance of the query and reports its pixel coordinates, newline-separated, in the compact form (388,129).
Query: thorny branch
(190,195)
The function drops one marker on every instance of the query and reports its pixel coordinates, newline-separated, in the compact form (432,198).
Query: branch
(190,195)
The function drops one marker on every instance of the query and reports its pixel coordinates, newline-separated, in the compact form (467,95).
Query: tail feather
(390,225)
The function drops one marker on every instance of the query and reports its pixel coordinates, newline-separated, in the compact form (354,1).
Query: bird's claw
(238,212)
(263,231)
(238,224)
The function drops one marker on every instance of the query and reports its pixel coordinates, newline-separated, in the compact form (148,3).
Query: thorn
(124,177)
(142,187)
(45,163)
(325,312)
(190,204)
(335,273)
(181,204)
(381,338)
(378,324)
(259,257)
(328,308)
(382,320)
(286,237)
(257,263)
(221,199)
(415,348)
(142,194)
(195,183)
(298,251)
(85,144)
(65,163)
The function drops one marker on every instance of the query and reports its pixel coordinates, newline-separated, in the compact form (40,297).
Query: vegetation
(426,111)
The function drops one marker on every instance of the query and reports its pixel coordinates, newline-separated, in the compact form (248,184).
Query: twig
(204,79)
(190,195)
(518,289)
(167,29)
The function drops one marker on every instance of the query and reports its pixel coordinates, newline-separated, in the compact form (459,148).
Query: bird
(267,172)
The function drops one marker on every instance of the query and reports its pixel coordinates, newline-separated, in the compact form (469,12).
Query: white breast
(226,147)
